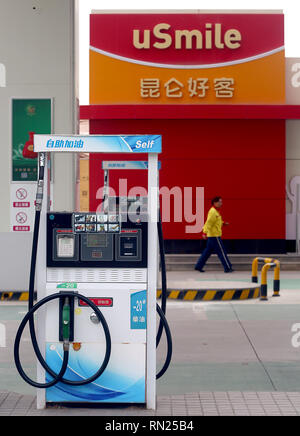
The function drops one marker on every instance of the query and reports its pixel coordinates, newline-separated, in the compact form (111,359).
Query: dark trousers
(214,245)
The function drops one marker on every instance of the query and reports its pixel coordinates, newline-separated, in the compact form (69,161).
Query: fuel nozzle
(66,321)
(40,183)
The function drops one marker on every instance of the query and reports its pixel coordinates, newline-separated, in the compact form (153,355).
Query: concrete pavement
(229,358)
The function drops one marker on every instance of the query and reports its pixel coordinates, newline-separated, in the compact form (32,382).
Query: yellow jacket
(213,224)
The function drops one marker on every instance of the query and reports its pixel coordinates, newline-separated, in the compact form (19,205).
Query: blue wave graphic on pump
(114,387)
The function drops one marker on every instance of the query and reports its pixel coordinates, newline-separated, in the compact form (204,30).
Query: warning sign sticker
(22,206)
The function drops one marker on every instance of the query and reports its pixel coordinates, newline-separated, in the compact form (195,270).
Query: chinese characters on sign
(223,87)
(138,310)
(61,143)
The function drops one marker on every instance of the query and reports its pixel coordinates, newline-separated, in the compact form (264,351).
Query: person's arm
(210,221)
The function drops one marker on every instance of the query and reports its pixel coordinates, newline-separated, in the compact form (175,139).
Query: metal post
(264,286)
(41,280)
(152,282)
(254,270)
(276,283)
(105,201)
(297,219)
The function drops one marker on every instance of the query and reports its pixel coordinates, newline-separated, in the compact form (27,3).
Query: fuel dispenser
(93,328)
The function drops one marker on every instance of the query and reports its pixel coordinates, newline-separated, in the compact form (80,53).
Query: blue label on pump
(138,310)
(98,143)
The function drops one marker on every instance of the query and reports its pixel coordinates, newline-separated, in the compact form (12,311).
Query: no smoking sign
(21,194)
(21,217)
(22,206)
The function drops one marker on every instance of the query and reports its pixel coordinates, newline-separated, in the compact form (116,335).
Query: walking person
(212,231)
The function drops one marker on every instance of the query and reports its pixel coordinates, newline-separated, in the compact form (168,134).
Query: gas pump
(137,206)
(93,328)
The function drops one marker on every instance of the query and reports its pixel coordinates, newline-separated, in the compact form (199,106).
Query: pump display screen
(96,241)
(128,245)
(65,245)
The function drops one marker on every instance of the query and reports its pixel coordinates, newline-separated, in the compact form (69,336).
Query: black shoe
(200,270)
(229,270)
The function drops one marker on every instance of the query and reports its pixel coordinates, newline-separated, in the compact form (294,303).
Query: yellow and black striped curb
(14,296)
(211,294)
(173,294)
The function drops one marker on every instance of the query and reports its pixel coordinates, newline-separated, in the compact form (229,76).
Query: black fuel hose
(163,278)
(169,342)
(161,310)
(59,377)
(33,308)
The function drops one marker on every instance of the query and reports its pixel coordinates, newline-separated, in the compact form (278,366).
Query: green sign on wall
(29,116)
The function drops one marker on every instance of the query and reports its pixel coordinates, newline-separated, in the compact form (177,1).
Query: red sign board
(191,58)
(187,39)
(103,302)
(21,228)
(21,204)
